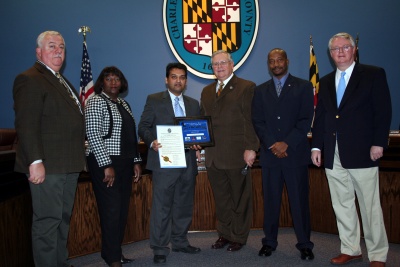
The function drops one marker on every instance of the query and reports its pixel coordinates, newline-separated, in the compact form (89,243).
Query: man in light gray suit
(173,189)
(50,128)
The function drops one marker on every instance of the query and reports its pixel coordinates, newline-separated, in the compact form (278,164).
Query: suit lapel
(51,78)
(332,89)
(287,87)
(271,90)
(227,88)
(168,103)
(212,93)
(187,106)
(124,104)
(352,84)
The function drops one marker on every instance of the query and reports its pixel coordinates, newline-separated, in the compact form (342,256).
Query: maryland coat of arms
(196,28)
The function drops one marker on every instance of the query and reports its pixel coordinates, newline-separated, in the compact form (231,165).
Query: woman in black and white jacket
(113,159)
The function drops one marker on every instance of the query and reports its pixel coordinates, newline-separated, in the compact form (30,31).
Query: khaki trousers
(344,185)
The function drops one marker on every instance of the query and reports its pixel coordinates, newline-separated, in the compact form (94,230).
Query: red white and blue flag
(86,84)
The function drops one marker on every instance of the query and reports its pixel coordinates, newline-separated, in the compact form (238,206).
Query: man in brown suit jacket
(50,128)
(228,102)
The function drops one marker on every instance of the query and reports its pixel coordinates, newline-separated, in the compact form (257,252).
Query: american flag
(86,85)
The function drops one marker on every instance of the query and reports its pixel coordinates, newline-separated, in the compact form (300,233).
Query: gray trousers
(52,203)
(172,209)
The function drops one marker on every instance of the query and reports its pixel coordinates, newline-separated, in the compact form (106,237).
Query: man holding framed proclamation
(173,188)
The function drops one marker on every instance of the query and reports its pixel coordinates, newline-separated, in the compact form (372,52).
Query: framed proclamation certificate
(196,130)
(172,150)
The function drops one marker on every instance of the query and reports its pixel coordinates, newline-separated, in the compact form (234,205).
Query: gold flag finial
(84,30)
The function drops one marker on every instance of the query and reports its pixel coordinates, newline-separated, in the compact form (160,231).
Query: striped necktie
(64,83)
(278,88)
(220,88)
(178,109)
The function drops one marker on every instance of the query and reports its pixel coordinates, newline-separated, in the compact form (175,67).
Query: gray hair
(343,35)
(44,34)
(222,52)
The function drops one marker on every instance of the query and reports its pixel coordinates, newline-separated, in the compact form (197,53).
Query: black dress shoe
(189,249)
(159,259)
(125,260)
(306,254)
(266,251)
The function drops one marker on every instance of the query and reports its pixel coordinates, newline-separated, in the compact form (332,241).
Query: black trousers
(297,185)
(113,204)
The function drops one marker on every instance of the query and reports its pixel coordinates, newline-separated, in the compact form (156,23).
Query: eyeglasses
(221,63)
(345,48)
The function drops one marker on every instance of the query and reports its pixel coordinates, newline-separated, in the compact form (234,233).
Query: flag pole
(357,59)
(357,40)
(86,81)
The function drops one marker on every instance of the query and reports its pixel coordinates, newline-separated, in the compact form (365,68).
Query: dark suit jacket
(287,118)
(361,121)
(158,110)
(49,124)
(231,122)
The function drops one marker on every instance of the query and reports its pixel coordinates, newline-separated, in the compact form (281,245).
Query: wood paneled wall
(15,231)
(85,234)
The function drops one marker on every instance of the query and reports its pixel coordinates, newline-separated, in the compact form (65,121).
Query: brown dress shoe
(234,246)
(344,258)
(116,264)
(220,243)
(377,264)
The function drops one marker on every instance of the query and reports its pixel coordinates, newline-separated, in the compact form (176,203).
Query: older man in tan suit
(228,102)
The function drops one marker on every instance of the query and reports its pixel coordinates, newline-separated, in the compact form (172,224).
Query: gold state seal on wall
(196,28)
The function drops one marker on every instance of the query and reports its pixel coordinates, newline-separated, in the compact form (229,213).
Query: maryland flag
(357,57)
(314,75)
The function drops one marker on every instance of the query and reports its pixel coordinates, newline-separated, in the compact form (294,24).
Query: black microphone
(245,169)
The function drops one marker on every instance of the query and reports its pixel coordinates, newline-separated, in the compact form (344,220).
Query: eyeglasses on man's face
(345,48)
(220,63)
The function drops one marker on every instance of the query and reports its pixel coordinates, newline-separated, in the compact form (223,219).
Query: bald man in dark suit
(282,121)
(50,128)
